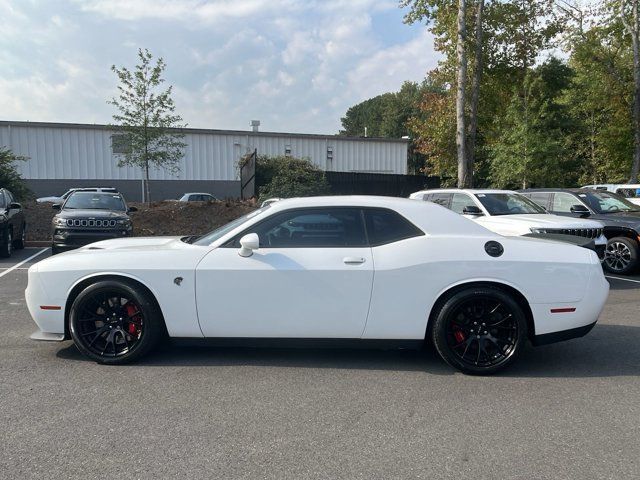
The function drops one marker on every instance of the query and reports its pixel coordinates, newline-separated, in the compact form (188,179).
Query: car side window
(562,202)
(441,199)
(312,227)
(459,201)
(386,226)
(540,198)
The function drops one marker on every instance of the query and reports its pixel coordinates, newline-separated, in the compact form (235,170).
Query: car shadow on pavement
(608,351)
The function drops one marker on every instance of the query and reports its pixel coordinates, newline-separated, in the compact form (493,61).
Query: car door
(311,278)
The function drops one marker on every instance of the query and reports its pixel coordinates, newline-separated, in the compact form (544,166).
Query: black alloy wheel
(621,255)
(114,322)
(480,330)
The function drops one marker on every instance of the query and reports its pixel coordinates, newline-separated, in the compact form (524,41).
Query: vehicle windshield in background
(508,204)
(607,202)
(95,201)
(211,237)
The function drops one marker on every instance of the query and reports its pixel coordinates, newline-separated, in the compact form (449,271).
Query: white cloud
(295,65)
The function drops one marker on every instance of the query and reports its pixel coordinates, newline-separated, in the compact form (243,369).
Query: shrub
(9,176)
(287,177)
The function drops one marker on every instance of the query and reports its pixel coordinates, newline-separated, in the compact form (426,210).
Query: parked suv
(509,213)
(87,217)
(621,220)
(13,226)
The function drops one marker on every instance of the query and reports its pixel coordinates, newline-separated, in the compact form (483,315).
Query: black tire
(6,248)
(115,322)
(479,330)
(621,255)
(18,244)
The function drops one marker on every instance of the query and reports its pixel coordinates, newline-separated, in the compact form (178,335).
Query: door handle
(353,260)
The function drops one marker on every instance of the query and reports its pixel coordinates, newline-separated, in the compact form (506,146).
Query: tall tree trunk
(633,28)
(146,183)
(475,92)
(635,166)
(464,178)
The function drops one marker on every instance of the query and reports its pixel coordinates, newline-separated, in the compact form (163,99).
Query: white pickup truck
(510,214)
(630,191)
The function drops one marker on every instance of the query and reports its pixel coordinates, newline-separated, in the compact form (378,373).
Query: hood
(92,213)
(522,224)
(627,219)
(134,243)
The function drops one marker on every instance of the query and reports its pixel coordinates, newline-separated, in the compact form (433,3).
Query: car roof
(430,217)
(198,193)
(568,190)
(472,191)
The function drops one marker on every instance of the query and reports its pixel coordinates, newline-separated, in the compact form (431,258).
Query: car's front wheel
(115,322)
(479,330)
(621,255)
(19,243)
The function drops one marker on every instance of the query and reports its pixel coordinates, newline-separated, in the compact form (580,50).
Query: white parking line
(15,267)
(623,279)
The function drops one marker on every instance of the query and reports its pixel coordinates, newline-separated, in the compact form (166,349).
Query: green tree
(9,176)
(147,120)
(286,177)
(532,149)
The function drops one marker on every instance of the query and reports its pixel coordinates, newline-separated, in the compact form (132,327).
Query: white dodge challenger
(365,269)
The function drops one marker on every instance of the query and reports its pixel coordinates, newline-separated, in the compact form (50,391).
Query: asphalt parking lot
(565,411)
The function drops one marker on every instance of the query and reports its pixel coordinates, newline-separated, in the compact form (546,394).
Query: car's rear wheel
(479,330)
(6,246)
(115,322)
(18,243)
(621,255)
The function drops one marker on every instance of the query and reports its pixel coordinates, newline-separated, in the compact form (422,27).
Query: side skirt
(300,343)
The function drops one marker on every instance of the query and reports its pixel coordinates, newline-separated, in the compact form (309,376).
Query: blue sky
(295,65)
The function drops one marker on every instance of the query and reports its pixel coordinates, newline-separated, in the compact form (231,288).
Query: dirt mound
(159,218)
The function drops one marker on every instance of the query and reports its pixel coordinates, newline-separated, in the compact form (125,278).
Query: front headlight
(124,223)
(538,230)
(59,222)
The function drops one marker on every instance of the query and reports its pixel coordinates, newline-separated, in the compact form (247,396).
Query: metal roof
(208,130)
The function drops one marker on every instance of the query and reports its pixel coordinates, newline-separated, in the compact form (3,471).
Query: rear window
(386,226)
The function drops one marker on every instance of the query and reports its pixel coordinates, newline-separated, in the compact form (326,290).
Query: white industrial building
(75,155)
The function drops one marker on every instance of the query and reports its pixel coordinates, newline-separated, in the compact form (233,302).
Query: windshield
(607,202)
(95,201)
(219,232)
(508,204)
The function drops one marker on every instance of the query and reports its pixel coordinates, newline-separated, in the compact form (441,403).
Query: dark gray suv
(621,220)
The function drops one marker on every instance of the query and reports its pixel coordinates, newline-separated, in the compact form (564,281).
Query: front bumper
(67,239)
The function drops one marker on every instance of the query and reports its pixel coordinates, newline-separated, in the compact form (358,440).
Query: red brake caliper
(459,336)
(133,329)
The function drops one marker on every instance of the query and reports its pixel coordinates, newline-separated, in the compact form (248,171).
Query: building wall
(67,155)
(132,189)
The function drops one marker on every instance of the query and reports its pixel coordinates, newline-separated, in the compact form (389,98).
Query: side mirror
(472,210)
(56,206)
(132,209)
(581,209)
(248,244)
(15,206)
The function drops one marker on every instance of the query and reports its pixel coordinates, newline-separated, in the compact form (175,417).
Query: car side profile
(369,270)
(197,197)
(509,213)
(13,225)
(621,220)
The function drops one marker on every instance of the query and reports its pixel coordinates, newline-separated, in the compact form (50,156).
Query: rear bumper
(561,336)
